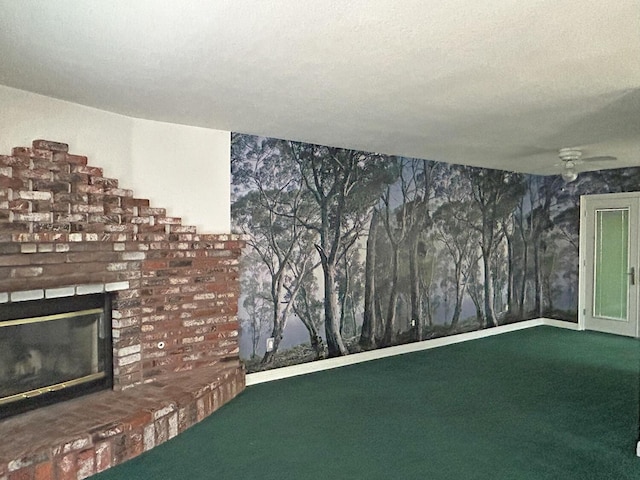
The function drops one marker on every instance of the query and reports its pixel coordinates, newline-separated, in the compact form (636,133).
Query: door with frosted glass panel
(610,229)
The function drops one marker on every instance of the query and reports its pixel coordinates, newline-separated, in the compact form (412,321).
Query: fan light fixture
(569,156)
(569,173)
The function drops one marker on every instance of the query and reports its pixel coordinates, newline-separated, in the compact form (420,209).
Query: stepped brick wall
(66,229)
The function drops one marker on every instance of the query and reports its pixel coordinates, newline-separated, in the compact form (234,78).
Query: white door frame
(582,265)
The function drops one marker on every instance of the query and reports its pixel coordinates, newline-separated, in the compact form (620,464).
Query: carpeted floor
(541,403)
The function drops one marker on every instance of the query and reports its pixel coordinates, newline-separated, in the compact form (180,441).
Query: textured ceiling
(498,83)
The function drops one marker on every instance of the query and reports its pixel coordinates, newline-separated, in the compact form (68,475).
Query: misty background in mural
(350,251)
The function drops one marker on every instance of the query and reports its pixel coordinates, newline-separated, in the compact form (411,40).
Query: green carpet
(542,403)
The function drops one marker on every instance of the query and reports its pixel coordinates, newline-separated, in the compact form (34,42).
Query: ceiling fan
(571,157)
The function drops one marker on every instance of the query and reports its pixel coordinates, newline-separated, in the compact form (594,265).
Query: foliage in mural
(350,251)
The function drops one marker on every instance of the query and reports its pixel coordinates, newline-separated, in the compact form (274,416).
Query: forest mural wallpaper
(350,251)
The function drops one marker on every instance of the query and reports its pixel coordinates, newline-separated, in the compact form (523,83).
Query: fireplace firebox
(53,350)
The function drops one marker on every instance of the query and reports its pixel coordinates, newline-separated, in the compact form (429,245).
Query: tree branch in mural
(460,243)
(427,177)
(371,323)
(495,194)
(255,303)
(353,251)
(343,185)
(395,223)
(268,214)
(302,296)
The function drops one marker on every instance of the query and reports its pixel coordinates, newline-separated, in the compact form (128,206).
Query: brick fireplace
(67,231)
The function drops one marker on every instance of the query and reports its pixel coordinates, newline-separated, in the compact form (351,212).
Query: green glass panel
(611,264)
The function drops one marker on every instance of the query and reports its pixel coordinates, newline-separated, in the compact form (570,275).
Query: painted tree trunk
(546,290)
(345,295)
(278,318)
(510,273)
(335,345)
(393,300)
(489,314)
(523,284)
(370,319)
(460,289)
(479,312)
(537,279)
(414,279)
(307,320)
(315,340)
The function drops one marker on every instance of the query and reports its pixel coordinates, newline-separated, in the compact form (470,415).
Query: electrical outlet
(413,323)
(270,342)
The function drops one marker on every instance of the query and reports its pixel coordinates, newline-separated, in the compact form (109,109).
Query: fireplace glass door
(53,350)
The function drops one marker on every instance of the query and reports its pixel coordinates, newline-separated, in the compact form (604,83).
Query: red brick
(103,456)
(41,206)
(139,420)
(26,272)
(145,228)
(78,180)
(113,202)
(11,161)
(31,153)
(84,169)
(107,183)
(35,174)
(73,197)
(85,464)
(27,473)
(119,192)
(135,443)
(44,471)
(68,158)
(86,188)
(161,212)
(53,186)
(84,208)
(12,182)
(153,265)
(66,468)
(45,258)
(50,145)
(115,228)
(61,208)
(170,221)
(47,164)
(182,229)
(19,206)
(135,202)
(119,449)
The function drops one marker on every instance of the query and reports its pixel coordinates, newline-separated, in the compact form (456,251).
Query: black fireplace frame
(39,308)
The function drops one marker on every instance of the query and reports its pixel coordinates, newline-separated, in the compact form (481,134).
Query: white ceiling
(498,83)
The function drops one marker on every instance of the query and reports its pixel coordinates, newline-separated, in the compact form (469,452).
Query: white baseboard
(561,324)
(319,365)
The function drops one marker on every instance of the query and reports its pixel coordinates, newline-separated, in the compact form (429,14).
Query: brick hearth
(64,227)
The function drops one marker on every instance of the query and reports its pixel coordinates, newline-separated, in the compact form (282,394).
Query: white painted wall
(102,136)
(188,168)
(183,169)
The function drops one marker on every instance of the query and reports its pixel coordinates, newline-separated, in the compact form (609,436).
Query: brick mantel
(64,226)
